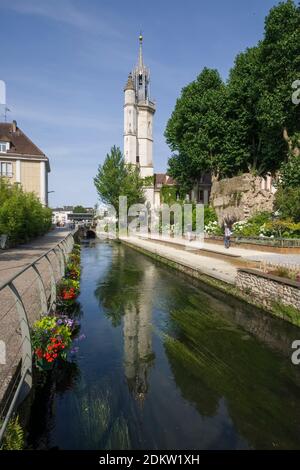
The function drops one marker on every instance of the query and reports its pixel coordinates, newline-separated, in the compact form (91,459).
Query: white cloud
(63,11)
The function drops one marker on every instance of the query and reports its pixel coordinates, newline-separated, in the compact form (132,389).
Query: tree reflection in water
(171,363)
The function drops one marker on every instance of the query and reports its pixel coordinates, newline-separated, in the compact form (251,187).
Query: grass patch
(287,312)
(13,438)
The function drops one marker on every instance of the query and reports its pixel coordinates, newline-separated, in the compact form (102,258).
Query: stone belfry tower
(138,120)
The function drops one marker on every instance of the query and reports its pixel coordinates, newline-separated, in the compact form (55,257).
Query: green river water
(168,363)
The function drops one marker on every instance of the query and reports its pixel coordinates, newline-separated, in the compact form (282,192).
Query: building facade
(22,162)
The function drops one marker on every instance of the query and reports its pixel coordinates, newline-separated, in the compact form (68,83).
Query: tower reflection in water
(137,331)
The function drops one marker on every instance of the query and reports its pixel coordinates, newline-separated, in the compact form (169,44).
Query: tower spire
(141,51)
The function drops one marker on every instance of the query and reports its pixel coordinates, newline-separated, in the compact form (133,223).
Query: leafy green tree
(197,128)
(249,124)
(287,198)
(279,117)
(115,178)
(79,210)
(287,202)
(181,168)
(290,173)
(243,142)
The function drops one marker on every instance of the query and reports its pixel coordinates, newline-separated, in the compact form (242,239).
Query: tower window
(140,79)
(137,159)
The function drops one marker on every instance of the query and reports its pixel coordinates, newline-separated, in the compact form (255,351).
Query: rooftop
(20,144)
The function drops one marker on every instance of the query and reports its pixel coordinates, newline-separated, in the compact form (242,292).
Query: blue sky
(65,64)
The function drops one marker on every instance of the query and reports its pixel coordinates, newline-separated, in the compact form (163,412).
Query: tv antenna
(6,110)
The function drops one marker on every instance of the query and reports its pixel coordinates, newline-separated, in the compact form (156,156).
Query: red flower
(39,353)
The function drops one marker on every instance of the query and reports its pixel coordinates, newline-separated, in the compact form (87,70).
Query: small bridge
(86,225)
(86,231)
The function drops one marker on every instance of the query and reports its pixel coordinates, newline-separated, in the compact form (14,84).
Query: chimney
(14,126)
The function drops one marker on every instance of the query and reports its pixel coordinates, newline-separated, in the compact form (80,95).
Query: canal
(168,363)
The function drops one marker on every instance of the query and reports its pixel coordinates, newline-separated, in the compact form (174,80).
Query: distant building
(60,215)
(21,161)
(63,215)
(201,191)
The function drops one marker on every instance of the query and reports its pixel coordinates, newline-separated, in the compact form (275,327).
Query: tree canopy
(115,178)
(197,127)
(248,124)
(79,210)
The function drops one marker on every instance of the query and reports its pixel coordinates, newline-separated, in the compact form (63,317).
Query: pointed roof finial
(141,50)
(129,85)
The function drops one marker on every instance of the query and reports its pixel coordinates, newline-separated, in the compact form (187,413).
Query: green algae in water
(170,363)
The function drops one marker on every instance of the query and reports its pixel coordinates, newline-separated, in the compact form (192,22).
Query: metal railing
(263,241)
(18,311)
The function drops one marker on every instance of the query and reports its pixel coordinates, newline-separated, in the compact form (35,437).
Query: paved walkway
(235,252)
(14,260)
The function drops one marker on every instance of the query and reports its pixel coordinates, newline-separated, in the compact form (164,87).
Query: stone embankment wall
(32,291)
(269,289)
(241,196)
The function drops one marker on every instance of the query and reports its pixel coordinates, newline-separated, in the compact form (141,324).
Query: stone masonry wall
(269,289)
(242,196)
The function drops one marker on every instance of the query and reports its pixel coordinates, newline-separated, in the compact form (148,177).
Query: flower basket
(67,290)
(73,271)
(51,340)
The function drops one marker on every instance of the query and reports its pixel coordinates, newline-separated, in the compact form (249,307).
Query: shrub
(22,216)
(74,258)
(13,438)
(287,202)
(170,194)
(210,215)
(213,228)
(282,228)
(148,181)
(290,172)
(253,227)
(211,225)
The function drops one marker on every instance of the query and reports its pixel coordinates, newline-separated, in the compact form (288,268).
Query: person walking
(227,235)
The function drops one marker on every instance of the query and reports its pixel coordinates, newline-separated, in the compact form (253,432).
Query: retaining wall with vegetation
(269,289)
